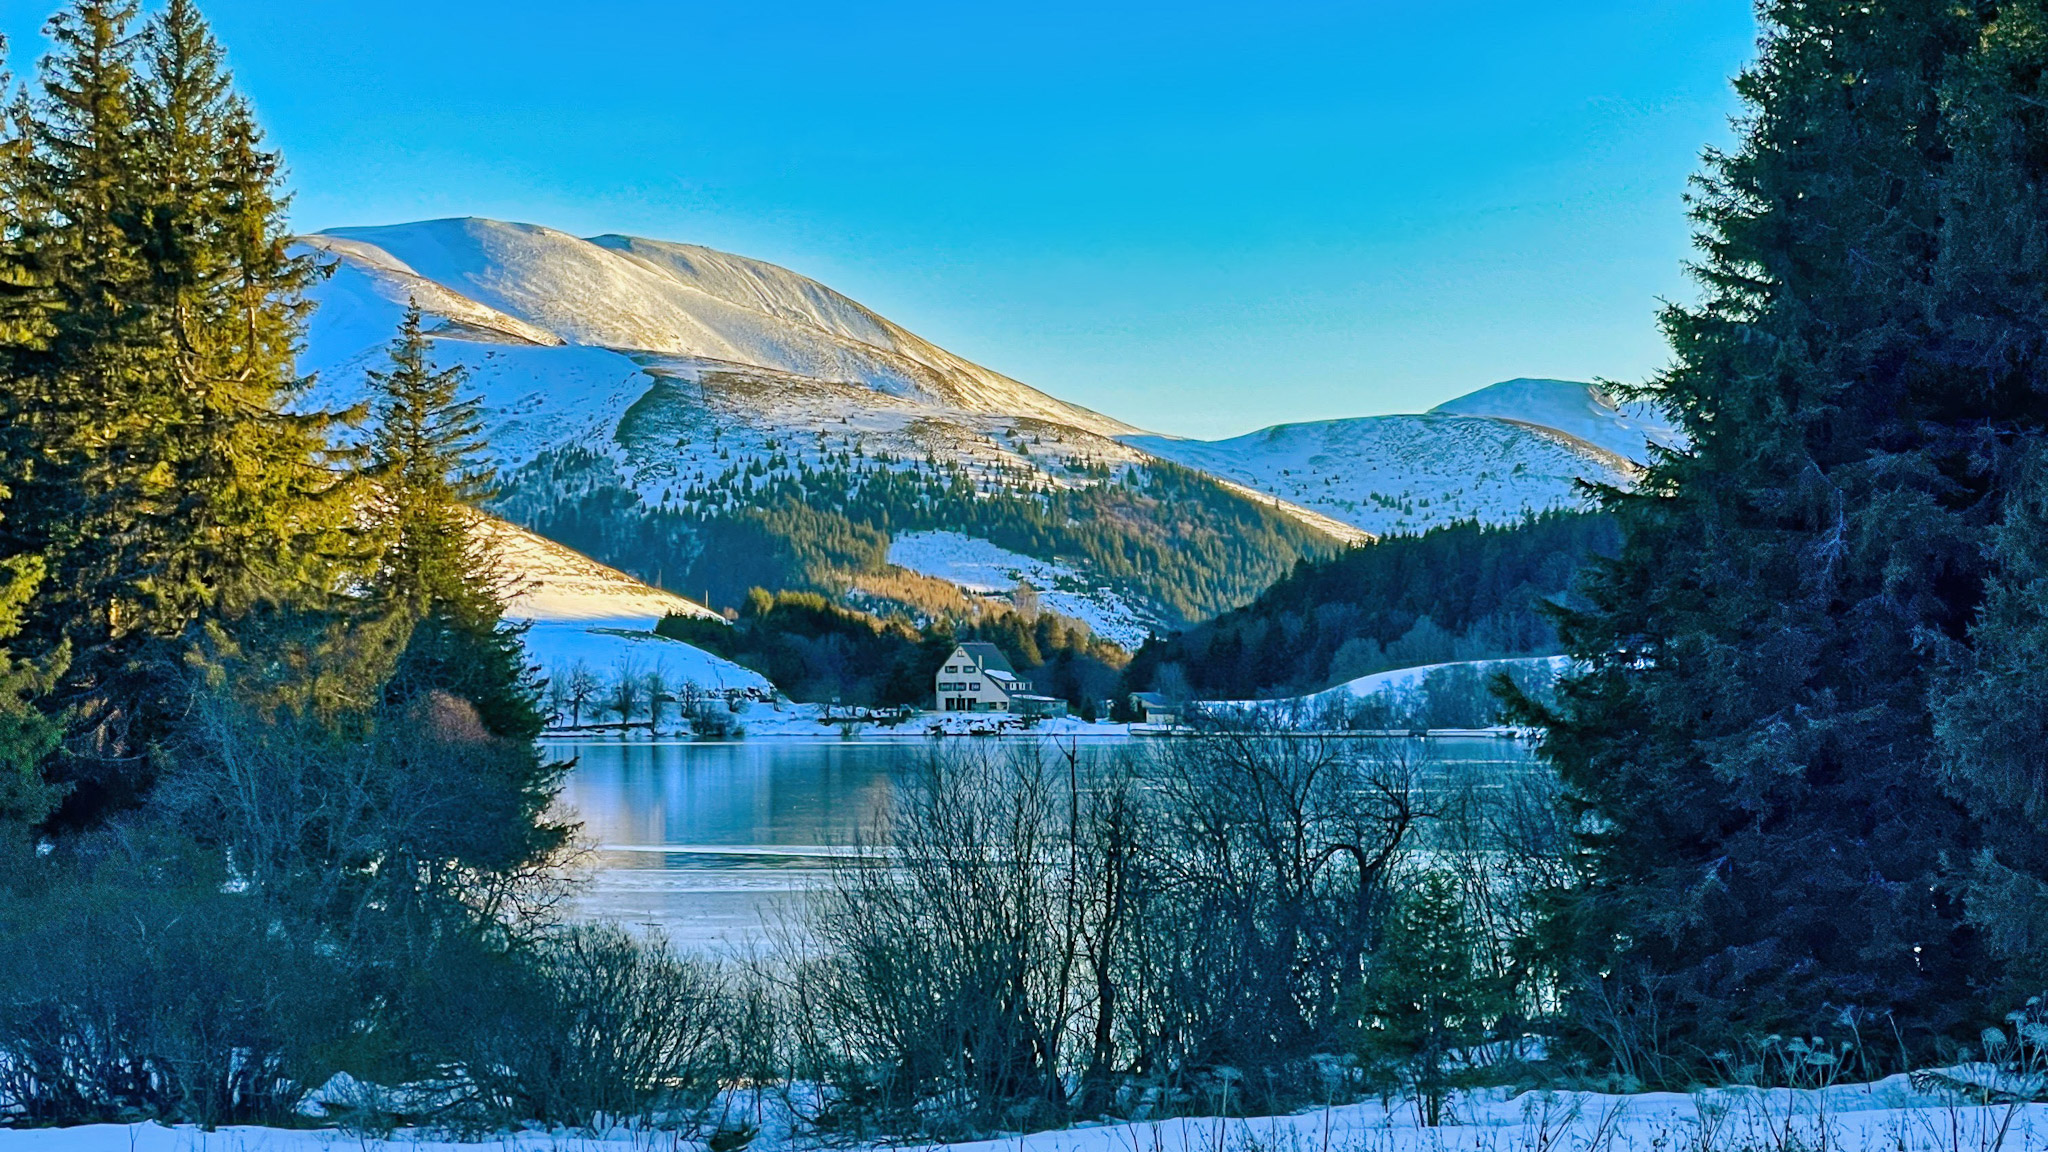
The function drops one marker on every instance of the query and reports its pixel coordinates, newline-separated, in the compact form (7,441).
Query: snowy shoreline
(1890,1115)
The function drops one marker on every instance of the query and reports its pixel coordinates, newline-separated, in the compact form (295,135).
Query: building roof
(1152,699)
(989,656)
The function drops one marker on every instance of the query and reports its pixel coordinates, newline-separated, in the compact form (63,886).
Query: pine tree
(151,466)
(1428,1002)
(1991,720)
(427,473)
(1751,746)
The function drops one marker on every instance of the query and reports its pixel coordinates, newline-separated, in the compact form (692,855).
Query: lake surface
(711,843)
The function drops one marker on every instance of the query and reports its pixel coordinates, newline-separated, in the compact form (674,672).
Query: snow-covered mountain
(1585,411)
(634,389)
(1492,455)
(637,390)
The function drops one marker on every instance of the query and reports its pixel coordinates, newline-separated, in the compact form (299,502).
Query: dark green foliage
(1751,744)
(1428,1002)
(1460,592)
(1169,537)
(437,574)
(148,460)
(425,471)
(134,987)
(1991,721)
(816,650)
(785,545)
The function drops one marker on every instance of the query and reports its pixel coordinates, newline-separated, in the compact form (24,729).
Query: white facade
(977,678)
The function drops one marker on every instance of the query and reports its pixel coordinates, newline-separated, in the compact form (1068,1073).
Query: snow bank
(1401,680)
(609,647)
(1888,1116)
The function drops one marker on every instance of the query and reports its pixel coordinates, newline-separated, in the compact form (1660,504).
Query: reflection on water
(710,842)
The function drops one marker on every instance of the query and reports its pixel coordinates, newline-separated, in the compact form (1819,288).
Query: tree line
(1463,591)
(817,650)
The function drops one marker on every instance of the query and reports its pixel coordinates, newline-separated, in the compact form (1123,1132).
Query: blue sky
(1202,218)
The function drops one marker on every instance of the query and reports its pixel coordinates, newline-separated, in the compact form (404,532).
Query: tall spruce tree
(1988,701)
(1751,743)
(427,472)
(151,466)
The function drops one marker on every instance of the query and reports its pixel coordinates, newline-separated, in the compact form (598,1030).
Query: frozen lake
(709,842)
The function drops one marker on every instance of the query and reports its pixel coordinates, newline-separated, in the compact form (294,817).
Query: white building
(977,677)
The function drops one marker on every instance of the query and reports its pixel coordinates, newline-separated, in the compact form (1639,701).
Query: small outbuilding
(1153,708)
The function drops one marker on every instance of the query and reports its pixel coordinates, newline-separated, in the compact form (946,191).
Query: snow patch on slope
(978,565)
(609,649)
(1585,411)
(1386,474)
(557,584)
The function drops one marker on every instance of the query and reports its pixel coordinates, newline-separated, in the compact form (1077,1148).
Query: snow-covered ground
(1585,411)
(1888,1116)
(609,648)
(1401,680)
(1388,474)
(978,565)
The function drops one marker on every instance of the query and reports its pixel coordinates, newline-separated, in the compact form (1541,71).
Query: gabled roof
(1152,699)
(989,656)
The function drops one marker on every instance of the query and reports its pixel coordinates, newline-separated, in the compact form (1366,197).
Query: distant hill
(1494,455)
(1586,412)
(1459,592)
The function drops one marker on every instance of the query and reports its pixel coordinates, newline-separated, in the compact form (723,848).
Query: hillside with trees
(1461,592)
(1166,537)
(815,649)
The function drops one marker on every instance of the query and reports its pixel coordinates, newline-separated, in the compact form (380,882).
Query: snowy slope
(666,369)
(1585,411)
(980,566)
(693,305)
(1404,680)
(580,612)
(560,585)
(1388,474)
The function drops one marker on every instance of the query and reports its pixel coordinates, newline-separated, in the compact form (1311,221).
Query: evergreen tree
(1751,744)
(426,474)
(152,468)
(1428,1002)
(1992,724)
